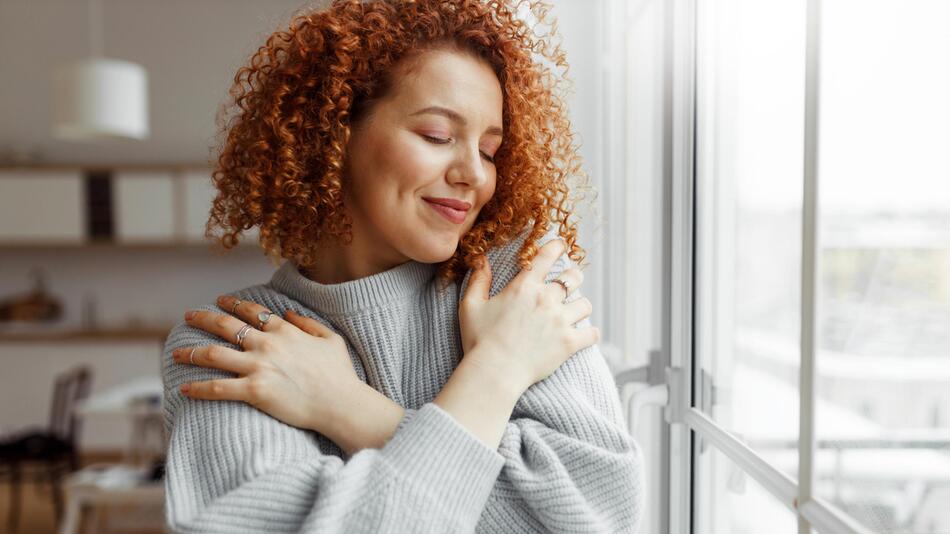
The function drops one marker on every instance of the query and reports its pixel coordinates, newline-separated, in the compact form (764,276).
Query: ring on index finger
(235,305)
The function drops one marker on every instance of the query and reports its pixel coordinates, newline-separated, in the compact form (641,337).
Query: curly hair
(281,165)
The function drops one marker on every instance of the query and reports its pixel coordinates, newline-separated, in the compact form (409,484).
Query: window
(883,360)
(805,277)
(750,89)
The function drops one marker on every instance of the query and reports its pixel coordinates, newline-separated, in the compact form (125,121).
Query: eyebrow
(452,115)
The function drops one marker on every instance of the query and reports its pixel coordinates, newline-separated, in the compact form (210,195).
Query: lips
(460,205)
(447,208)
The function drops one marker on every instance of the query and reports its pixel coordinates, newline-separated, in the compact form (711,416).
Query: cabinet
(63,206)
(42,207)
(144,206)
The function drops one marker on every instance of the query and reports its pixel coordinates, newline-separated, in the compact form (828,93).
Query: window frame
(688,424)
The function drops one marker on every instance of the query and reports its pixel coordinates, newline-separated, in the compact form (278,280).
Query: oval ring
(263,317)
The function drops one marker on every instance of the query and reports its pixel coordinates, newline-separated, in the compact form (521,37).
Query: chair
(53,450)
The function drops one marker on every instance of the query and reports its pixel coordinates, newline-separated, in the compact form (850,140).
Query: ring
(235,305)
(242,333)
(263,317)
(565,284)
(191,357)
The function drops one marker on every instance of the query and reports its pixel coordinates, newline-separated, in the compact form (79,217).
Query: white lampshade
(100,98)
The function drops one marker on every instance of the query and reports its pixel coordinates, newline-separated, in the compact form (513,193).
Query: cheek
(489,190)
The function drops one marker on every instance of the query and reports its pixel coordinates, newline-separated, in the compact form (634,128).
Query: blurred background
(105,191)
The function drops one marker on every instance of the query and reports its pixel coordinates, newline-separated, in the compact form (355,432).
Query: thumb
(480,281)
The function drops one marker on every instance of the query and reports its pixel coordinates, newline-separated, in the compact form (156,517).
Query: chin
(436,252)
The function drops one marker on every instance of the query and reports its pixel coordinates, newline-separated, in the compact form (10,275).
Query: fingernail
(184,388)
(189,314)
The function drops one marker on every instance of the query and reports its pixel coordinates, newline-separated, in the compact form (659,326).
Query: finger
(573,276)
(216,356)
(543,261)
(585,337)
(250,312)
(222,325)
(559,292)
(308,325)
(220,389)
(578,310)
(479,283)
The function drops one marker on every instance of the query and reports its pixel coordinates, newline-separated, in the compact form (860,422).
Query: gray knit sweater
(565,463)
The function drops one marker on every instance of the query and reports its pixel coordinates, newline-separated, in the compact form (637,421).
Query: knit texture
(566,462)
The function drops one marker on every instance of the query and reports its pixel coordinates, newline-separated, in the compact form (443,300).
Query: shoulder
(504,261)
(184,335)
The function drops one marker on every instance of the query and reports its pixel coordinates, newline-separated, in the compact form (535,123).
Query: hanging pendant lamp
(98,98)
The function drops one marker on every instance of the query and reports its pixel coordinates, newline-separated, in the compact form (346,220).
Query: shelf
(58,335)
(100,245)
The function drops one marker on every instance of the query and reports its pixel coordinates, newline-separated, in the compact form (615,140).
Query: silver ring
(263,317)
(565,284)
(242,333)
(235,305)
(191,357)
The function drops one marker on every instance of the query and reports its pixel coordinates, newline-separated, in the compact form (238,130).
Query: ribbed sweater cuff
(430,448)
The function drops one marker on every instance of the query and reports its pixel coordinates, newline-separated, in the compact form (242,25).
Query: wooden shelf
(58,335)
(244,245)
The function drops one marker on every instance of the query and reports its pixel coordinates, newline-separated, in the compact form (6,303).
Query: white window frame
(681,391)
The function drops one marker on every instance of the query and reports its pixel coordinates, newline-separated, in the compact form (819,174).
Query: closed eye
(440,141)
(436,140)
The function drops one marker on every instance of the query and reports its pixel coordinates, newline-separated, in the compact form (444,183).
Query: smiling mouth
(451,214)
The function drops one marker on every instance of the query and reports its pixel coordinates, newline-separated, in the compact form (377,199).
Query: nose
(468,168)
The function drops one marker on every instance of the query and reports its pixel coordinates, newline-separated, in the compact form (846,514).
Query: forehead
(457,80)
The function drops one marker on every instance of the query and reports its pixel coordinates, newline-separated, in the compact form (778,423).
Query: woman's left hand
(293,368)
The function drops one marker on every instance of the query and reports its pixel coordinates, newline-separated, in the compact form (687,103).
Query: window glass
(728,501)
(749,146)
(883,366)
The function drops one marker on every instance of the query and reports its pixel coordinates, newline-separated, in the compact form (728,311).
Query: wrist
(498,370)
(367,420)
(480,397)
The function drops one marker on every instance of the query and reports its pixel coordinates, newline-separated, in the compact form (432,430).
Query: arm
(481,410)
(570,463)
(566,435)
(233,468)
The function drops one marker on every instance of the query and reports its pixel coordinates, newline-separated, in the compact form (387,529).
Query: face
(432,137)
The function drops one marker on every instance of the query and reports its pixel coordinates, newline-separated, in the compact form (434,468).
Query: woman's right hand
(527,330)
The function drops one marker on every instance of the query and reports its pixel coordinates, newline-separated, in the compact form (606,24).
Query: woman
(384,149)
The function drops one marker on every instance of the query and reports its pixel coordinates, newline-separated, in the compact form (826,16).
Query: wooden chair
(52,452)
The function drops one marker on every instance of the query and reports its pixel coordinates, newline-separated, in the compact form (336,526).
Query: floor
(37,515)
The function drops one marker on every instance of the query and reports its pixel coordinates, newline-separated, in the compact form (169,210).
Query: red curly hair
(281,167)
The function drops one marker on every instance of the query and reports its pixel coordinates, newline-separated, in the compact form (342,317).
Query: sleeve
(232,468)
(570,464)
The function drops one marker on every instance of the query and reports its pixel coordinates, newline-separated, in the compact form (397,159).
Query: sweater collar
(355,295)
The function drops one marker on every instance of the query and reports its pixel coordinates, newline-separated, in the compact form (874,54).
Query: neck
(340,263)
